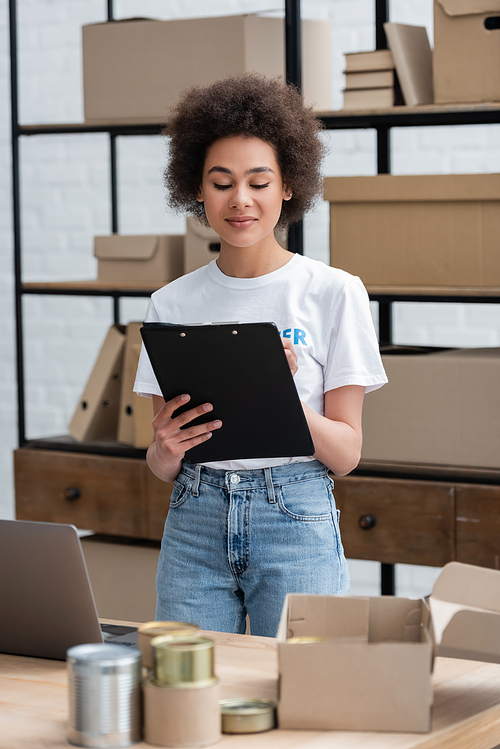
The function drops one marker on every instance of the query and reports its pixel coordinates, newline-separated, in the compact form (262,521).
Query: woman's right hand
(171,442)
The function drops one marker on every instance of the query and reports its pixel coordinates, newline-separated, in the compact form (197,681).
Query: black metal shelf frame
(382,122)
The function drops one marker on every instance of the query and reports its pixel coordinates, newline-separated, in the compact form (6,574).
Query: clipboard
(242,369)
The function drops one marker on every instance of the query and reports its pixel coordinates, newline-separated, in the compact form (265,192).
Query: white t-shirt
(323,311)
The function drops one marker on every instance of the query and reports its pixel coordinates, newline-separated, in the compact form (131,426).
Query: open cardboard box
(374,672)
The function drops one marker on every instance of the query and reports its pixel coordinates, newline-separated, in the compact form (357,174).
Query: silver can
(104,695)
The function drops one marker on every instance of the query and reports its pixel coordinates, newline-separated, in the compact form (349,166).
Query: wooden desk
(33,703)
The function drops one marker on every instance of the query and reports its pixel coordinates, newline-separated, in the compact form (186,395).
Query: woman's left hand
(291,356)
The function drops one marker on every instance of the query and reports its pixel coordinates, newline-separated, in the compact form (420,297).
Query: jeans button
(235,479)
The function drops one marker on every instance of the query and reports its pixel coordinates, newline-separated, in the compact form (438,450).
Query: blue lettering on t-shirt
(296,334)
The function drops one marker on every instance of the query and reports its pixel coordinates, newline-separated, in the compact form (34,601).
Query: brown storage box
(374,672)
(146,257)
(201,245)
(135,69)
(466,51)
(438,408)
(427,231)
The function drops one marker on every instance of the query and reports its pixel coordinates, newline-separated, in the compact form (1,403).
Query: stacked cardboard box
(423,230)
(135,69)
(441,408)
(370,80)
(466,51)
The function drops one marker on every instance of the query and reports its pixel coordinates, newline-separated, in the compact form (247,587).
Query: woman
(245,157)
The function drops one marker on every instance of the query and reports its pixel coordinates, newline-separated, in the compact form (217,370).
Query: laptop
(46,600)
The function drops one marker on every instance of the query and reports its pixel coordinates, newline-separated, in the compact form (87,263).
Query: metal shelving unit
(380,120)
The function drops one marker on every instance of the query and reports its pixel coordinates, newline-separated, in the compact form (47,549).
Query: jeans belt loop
(196,486)
(271,497)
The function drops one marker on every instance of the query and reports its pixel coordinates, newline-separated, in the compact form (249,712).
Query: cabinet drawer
(105,494)
(478,525)
(397,521)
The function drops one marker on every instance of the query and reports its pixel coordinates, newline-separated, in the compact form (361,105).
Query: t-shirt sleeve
(146,383)
(353,354)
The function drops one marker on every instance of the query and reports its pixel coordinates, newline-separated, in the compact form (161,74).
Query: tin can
(181,701)
(183,661)
(150,630)
(305,640)
(245,715)
(104,695)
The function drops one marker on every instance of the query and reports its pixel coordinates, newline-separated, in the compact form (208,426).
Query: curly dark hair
(254,106)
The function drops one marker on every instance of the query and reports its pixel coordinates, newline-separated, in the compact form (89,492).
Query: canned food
(149,630)
(305,640)
(104,695)
(244,715)
(183,662)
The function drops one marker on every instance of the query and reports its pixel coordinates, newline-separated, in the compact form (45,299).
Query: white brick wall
(65,200)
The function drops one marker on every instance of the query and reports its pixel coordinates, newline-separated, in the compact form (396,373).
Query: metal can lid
(154,629)
(305,640)
(244,715)
(183,661)
(101,654)
(149,630)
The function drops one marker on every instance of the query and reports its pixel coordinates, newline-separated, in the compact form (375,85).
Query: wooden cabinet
(110,495)
(397,521)
(419,522)
(478,525)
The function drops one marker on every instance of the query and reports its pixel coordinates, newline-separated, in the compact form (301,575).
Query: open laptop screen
(46,598)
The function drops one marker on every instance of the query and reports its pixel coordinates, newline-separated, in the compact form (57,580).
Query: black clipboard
(242,369)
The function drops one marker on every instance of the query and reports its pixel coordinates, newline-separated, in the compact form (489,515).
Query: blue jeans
(236,542)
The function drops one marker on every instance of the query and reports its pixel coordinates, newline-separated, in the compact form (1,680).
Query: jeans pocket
(179,494)
(307,501)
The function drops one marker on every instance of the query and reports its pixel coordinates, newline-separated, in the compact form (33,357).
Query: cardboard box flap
(324,616)
(469,7)
(468,586)
(465,610)
(465,632)
(384,188)
(120,247)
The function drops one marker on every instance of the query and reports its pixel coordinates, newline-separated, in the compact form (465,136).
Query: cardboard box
(431,231)
(96,415)
(135,69)
(439,408)
(136,413)
(374,672)
(466,51)
(201,245)
(147,257)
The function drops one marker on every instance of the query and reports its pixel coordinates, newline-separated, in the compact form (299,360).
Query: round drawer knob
(71,494)
(366,522)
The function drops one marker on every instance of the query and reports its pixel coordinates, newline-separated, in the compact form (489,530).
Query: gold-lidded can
(148,631)
(305,640)
(183,662)
(244,715)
